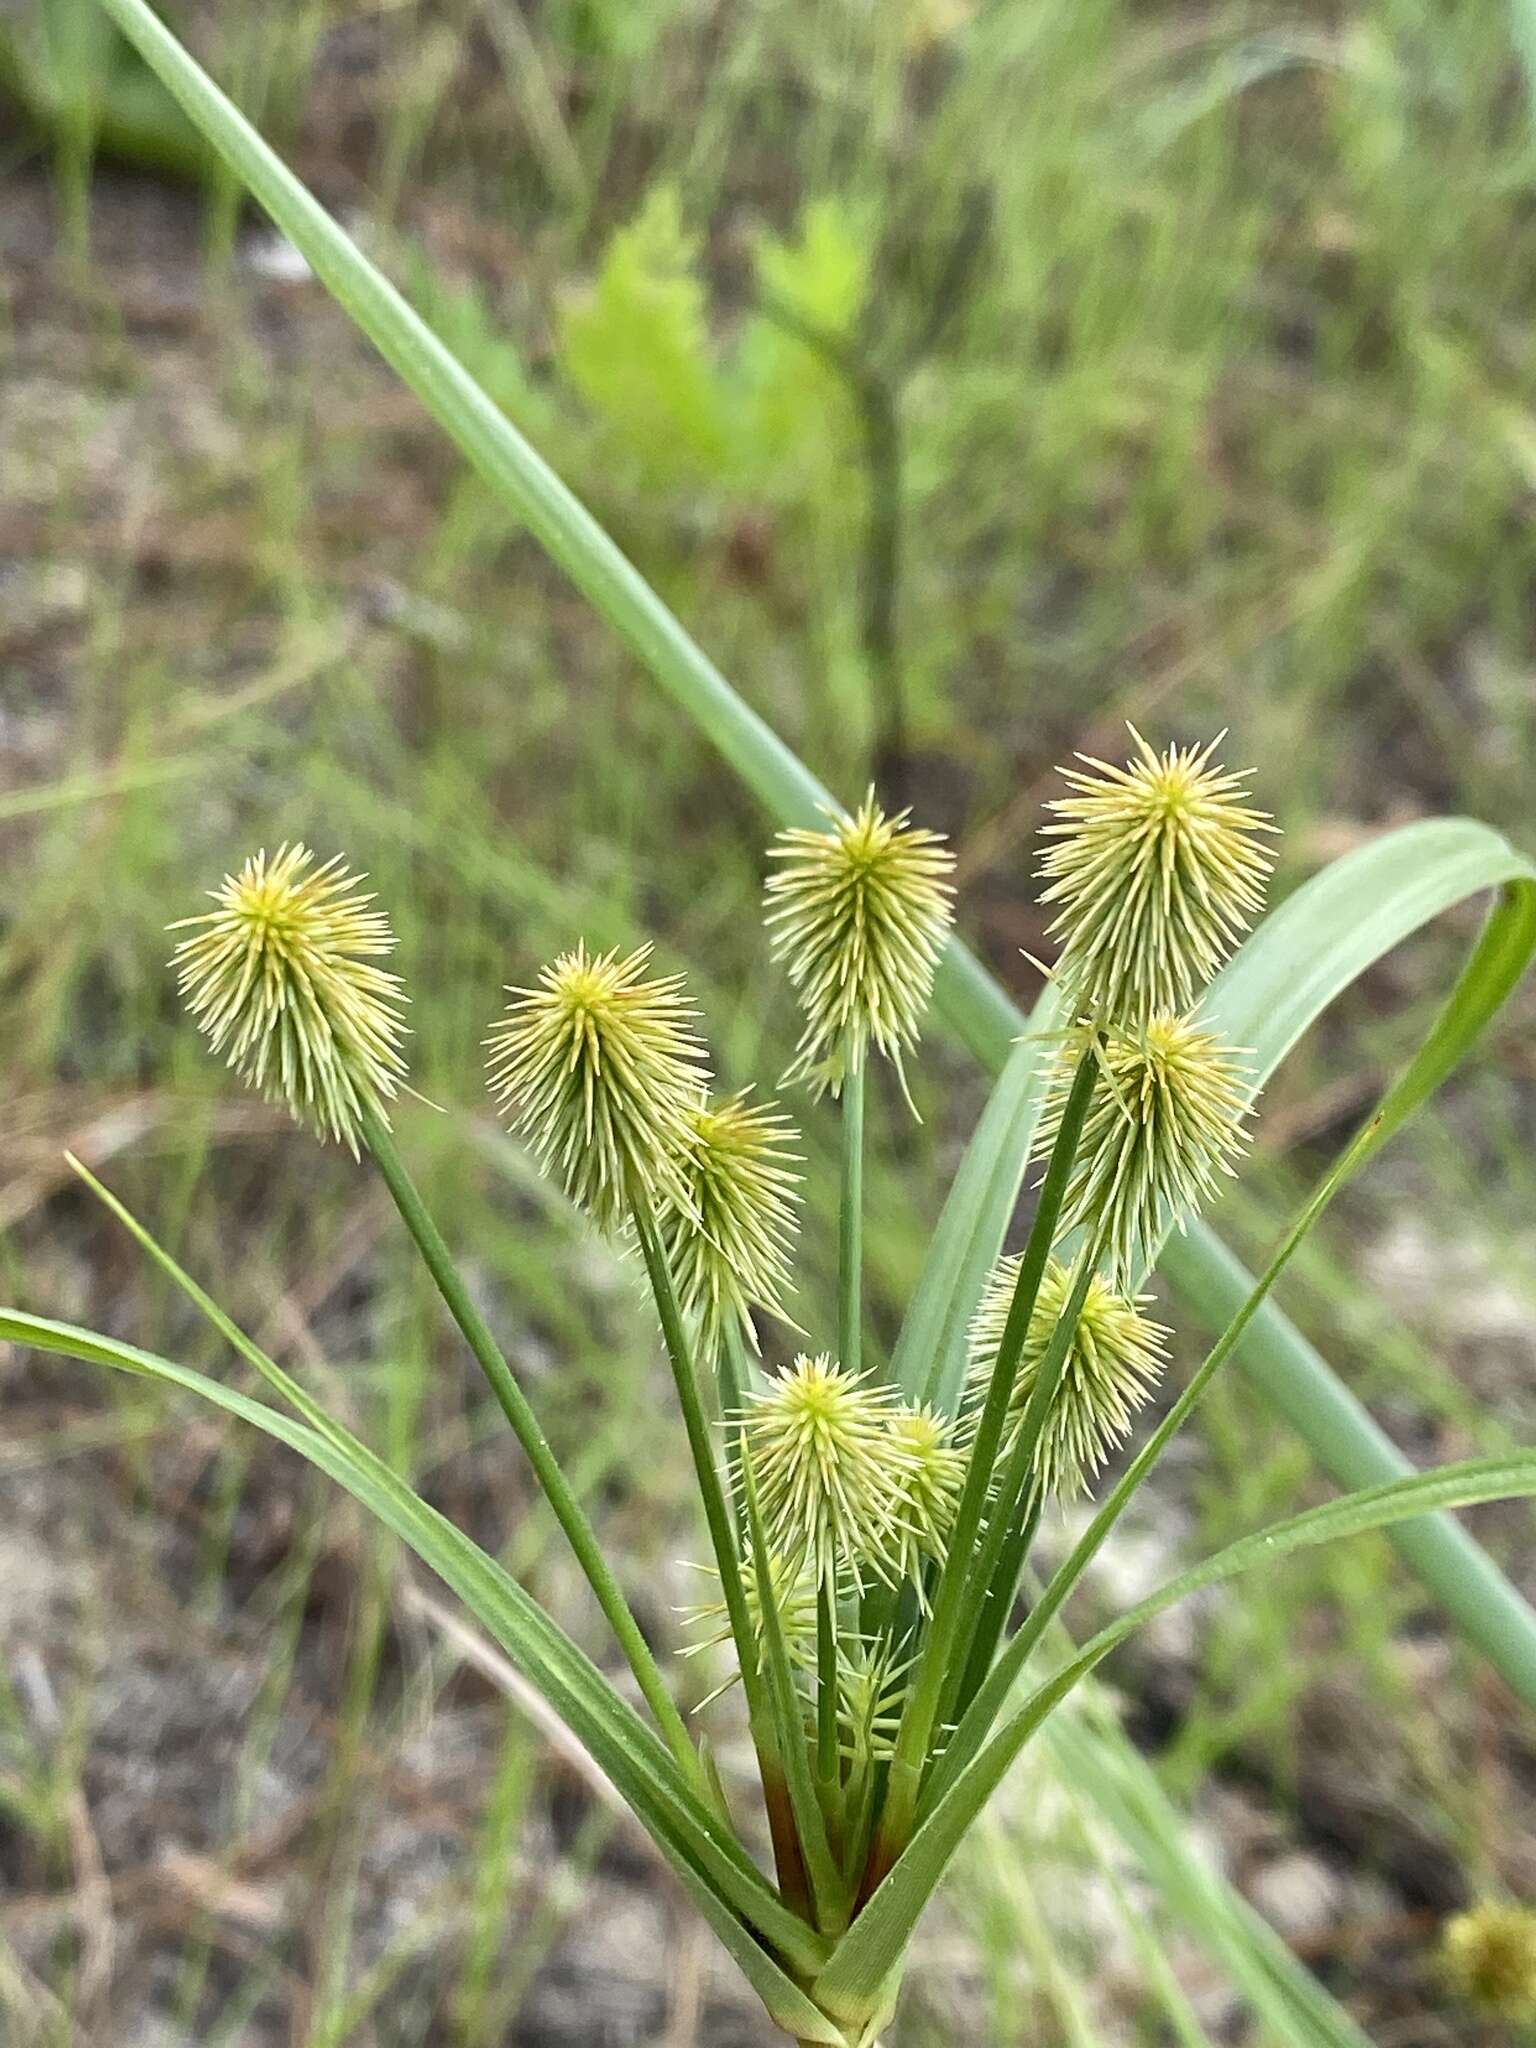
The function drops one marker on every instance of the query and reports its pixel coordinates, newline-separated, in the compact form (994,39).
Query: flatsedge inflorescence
(599,1067)
(859,915)
(1156,869)
(1112,1366)
(854,1523)
(730,1228)
(281,978)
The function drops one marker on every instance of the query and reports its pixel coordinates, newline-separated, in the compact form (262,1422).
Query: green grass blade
(1422,876)
(879,1936)
(1104,1769)
(619,1741)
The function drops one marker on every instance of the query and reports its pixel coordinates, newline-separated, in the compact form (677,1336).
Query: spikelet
(1158,868)
(1116,1356)
(859,915)
(794,1593)
(601,1072)
(827,1468)
(1164,1124)
(929,1492)
(730,1234)
(871,1692)
(280,978)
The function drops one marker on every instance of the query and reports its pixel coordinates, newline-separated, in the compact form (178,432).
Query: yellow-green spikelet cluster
(730,1230)
(1164,1126)
(280,977)
(1157,869)
(598,1066)
(1116,1356)
(859,914)
(827,1468)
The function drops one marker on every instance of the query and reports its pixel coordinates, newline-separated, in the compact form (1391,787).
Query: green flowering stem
(722,1536)
(828,1888)
(525,1425)
(827,1775)
(994,1685)
(998,1604)
(921,1712)
(850,1224)
(989,1587)
(850,1293)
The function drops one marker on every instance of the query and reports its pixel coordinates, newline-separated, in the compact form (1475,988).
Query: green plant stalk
(850,1326)
(920,1713)
(826,1701)
(998,1682)
(983,1589)
(829,1891)
(515,1406)
(722,1535)
(997,1605)
(850,1226)
(1278,1361)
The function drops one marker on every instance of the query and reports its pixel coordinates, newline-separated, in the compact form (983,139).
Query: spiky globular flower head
(730,1236)
(1116,1355)
(1164,1124)
(1489,1954)
(601,1072)
(871,1692)
(794,1593)
(859,914)
(1158,868)
(929,1491)
(827,1469)
(280,974)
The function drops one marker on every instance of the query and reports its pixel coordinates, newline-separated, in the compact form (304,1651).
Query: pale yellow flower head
(280,977)
(1157,869)
(600,1070)
(859,914)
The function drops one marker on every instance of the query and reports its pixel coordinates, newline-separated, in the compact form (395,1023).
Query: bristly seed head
(794,1593)
(1159,868)
(280,974)
(1116,1356)
(859,914)
(730,1237)
(1165,1123)
(929,1492)
(601,1072)
(827,1469)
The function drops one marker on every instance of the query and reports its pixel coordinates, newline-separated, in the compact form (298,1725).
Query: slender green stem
(996,1606)
(826,1691)
(717,1515)
(850,1225)
(994,1686)
(829,1890)
(735,1377)
(773,1761)
(525,1424)
(920,1714)
(989,1592)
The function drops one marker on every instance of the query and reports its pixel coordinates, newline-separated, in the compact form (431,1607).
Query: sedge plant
(866,1543)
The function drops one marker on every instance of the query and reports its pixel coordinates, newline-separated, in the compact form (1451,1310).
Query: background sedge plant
(868,1546)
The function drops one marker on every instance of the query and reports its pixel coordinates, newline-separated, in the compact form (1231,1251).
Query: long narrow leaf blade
(880,1934)
(689,1835)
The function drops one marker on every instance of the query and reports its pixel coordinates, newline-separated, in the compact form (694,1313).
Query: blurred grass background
(970,378)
